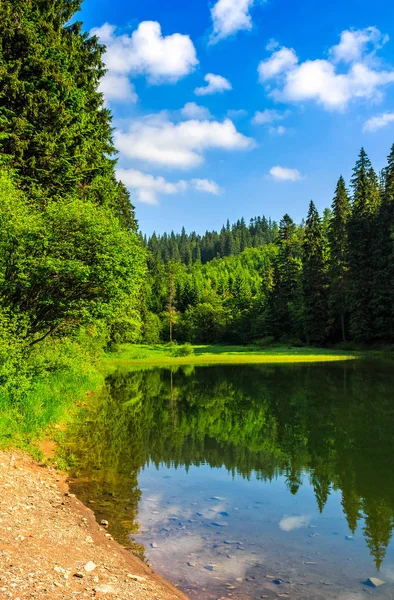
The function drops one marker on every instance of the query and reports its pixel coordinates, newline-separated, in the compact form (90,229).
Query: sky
(236,108)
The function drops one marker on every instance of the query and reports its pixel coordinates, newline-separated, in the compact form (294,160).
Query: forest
(76,274)
(327,280)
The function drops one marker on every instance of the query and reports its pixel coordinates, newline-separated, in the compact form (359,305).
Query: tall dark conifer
(383,306)
(285,301)
(339,259)
(56,132)
(314,279)
(362,240)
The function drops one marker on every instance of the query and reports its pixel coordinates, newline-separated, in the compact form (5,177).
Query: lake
(247,482)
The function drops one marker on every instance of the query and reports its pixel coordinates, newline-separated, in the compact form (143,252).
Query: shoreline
(156,356)
(50,541)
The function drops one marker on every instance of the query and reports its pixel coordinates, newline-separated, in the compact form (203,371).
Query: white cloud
(379,121)
(281,61)
(291,523)
(117,87)
(147,52)
(147,188)
(354,44)
(284,174)
(191,110)
(156,139)
(269,116)
(206,185)
(230,16)
(318,80)
(216,85)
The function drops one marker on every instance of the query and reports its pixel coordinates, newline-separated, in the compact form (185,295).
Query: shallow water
(247,482)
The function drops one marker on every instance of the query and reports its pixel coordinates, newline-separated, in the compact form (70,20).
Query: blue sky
(230,108)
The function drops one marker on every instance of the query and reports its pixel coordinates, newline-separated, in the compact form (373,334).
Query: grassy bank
(129,355)
(45,407)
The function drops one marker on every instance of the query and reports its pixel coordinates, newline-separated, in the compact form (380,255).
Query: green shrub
(186,350)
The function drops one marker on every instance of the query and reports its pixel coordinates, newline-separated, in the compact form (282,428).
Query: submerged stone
(374,582)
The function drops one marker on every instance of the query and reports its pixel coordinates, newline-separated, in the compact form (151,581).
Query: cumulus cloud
(230,16)
(216,85)
(157,140)
(191,110)
(269,116)
(147,188)
(284,174)
(379,121)
(280,61)
(206,185)
(145,52)
(319,80)
(354,44)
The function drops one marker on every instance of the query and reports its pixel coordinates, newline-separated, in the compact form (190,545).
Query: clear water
(247,482)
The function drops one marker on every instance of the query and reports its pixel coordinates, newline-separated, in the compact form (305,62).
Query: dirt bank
(51,546)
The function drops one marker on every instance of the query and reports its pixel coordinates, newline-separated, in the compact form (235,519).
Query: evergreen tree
(314,279)
(339,258)
(284,306)
(55,130)
(366,194)
(383,307)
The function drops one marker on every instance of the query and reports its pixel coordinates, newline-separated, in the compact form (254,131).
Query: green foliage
(314,279)
(324,281)
(68,264)
(185,350)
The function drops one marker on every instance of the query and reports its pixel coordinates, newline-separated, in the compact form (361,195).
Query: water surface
(247,482)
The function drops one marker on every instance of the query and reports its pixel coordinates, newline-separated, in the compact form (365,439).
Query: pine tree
(383,307)
(362,224)
(284,305)
(56,133)
(314,279)
(339,258)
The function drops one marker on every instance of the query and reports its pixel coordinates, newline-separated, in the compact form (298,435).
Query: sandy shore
(51,546)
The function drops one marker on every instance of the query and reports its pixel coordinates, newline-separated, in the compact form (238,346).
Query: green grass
(43,409)
(129,355)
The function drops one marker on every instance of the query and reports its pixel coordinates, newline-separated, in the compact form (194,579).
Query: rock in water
(374,582)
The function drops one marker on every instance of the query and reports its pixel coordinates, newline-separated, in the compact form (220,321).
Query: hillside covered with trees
(326,280)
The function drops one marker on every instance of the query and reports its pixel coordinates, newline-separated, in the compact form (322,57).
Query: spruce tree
(383,307)
(284,305)
(55,131)
(339,259)
(314,279)
(362,239)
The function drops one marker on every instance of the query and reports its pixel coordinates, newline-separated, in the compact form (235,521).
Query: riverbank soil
(52,548)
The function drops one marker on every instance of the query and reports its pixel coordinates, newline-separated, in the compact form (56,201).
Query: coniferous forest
(326,280)
(77,276)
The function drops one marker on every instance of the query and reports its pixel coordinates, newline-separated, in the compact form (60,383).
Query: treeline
(230,241)
(329,279)
(71,261)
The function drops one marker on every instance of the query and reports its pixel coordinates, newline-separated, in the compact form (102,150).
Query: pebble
(104,589)
(374,582)
(90,566)
(104,523)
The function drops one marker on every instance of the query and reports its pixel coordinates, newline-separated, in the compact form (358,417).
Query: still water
(247,482)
